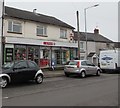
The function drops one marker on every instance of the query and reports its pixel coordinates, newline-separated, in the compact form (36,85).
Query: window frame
(43,28)
(11,28)
(63,33)
(82,44)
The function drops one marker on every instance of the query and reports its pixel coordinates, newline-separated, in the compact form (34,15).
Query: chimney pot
(96,31)
(34,10)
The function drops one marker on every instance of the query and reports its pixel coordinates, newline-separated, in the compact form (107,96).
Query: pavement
(53,73)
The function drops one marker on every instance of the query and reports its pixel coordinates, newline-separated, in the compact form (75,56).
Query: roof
(91,37)
(117,44)
(26,15)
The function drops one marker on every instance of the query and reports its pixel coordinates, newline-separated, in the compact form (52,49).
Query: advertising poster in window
(9,54)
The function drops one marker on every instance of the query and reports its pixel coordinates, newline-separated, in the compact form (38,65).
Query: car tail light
(78,64)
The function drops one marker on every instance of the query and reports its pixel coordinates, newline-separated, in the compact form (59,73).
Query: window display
(45,56)
(30,53)
(20,52)
(9,54)
(33,53)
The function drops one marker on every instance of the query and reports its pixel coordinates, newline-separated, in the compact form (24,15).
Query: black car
(22,70)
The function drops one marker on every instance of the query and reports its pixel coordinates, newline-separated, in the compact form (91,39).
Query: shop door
(57,56)
(33,54)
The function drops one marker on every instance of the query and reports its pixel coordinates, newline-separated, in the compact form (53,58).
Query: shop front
(42,52)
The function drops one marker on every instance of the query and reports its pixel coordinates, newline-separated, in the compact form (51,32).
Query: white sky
(105,16)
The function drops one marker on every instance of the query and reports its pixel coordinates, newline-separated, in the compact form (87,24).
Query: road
(63,91)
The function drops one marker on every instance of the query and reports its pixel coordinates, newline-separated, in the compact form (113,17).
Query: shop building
(32,36)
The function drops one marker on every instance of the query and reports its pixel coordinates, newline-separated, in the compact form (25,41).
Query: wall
(91,46)
(29,31)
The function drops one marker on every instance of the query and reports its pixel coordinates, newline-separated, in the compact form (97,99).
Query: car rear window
(73,63)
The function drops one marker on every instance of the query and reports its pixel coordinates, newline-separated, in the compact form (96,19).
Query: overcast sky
(104,17)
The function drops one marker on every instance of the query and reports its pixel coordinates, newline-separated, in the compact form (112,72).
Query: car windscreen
(8,65)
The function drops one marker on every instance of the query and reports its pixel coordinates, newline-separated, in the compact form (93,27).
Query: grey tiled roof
(26,15)
(92,37)
(117,44)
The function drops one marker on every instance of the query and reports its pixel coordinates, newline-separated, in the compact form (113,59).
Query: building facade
(32,36)
(47,40)
(95,43)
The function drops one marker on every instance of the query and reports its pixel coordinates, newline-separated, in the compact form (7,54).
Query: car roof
(79,60)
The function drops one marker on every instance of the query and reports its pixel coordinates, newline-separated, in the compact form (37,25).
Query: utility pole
(1,33)
(78,34)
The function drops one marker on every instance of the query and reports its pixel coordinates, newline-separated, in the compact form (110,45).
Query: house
(41,38)
(117,45)
(95,43)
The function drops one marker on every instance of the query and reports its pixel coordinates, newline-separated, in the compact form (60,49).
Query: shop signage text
(48,43)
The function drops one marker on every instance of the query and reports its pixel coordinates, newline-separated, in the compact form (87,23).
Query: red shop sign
(48,43)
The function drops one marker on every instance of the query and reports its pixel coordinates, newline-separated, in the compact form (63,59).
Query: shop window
(8,54)
(20,52)
(30,53)
(45,57)
(33,54)
(63,33)
(41,30)
(14,26)
(72,53)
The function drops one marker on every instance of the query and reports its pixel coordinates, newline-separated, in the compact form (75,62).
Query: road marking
(5,97)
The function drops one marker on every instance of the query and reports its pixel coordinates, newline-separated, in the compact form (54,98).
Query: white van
(109,60)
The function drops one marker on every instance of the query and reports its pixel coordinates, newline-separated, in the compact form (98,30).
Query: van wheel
(39,79)
(3,82)
(83,74)
(98,73)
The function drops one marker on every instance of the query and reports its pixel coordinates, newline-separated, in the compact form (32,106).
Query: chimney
(34,11)
(96,31)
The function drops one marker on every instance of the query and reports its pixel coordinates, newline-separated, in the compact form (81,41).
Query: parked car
(22,70)
(81,68)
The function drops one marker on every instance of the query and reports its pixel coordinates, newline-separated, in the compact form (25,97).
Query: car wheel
(98,73)
(83,75)
(39,79)
(3,82)
(66,74)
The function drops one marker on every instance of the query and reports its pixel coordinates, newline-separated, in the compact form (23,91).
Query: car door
(85,66)
(33,68)
(92,67)
(19,70)
(89,71)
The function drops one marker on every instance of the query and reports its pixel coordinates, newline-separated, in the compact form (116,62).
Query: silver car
(81,68)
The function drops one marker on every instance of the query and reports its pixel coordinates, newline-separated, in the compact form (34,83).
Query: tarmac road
(63,91)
